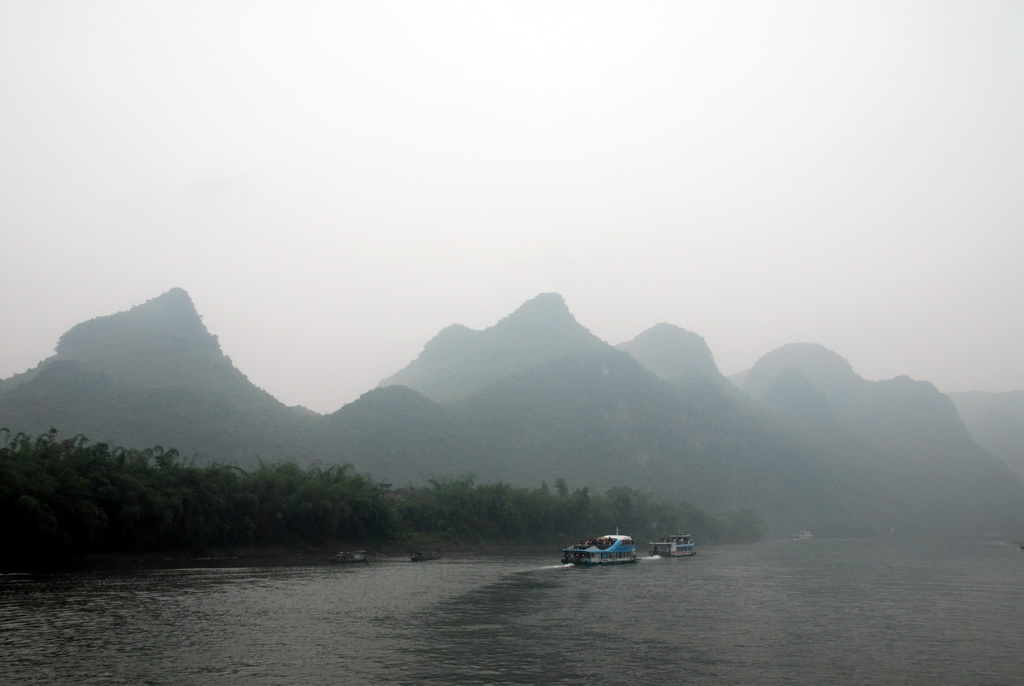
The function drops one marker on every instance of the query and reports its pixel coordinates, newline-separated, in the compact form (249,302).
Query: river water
(785,612)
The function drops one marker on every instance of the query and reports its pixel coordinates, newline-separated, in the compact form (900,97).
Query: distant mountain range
(800,438)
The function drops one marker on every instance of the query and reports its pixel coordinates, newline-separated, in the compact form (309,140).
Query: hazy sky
(335,182)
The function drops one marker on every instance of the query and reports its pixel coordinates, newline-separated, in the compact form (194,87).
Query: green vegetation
(460,510)
(61,497)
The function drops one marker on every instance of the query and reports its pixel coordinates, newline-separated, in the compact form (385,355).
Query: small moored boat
(424,555)
(612,549)
(350,556)
(676,545)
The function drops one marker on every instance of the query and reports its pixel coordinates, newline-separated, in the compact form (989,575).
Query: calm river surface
(787,612)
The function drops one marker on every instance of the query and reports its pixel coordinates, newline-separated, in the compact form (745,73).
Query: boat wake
(544,567)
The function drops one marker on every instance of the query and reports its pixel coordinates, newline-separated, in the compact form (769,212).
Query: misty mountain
(996,421)
(672,353)
(459,361)
(152,375)
(897,445)
(540,397)
(537,397)
(400,435)
(599,418)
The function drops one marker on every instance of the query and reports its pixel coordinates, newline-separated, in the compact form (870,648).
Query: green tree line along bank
(61,497)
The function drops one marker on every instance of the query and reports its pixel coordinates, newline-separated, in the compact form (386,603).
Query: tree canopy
(66,496)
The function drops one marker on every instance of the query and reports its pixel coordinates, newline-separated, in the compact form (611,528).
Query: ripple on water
(776,613)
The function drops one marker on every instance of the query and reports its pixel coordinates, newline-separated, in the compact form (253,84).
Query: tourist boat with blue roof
(612,549)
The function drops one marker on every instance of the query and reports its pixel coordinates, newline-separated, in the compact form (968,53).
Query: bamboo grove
(67,496)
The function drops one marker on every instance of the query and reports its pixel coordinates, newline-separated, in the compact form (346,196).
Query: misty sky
(335,182)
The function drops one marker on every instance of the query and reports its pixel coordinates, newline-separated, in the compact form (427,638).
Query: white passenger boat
(676,545)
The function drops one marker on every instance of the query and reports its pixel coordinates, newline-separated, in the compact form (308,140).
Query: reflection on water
(792,612)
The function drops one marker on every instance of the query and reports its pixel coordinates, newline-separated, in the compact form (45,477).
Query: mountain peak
(459,360)
(545,311)
(543,304)
(161,331)
(173,309)
(671,352)
(822,367)
(175,300)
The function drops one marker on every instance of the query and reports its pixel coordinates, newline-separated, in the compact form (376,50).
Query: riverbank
(264,556)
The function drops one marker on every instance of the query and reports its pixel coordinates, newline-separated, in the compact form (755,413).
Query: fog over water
(335,182)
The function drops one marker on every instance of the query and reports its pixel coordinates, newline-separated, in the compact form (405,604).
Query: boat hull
(597,563)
